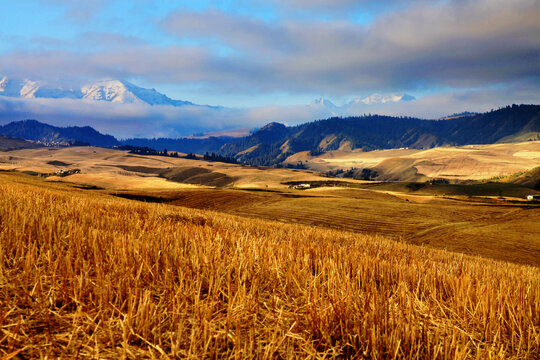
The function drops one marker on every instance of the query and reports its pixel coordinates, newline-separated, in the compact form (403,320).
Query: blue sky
(77,26)
(48,25)
(468,55)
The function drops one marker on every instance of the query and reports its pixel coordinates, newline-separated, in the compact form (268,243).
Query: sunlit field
(87,275)
(270,179)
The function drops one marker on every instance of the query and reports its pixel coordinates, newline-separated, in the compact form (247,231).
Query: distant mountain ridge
(37,131)
(75,135)
(382,99)
(273,143)
(323,103)
(184,145)
(122,91)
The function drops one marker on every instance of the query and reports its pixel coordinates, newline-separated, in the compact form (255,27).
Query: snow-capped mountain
(381,99)
(119,91)
(322,102)
(125,92)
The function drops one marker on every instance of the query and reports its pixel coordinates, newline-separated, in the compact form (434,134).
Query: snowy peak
(382,99)
(19,88)
(407,97)
(34,89)
(117,91)
(322,102)
(108,90)
(125,92)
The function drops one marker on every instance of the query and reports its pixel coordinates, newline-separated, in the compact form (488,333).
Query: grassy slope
(454,163)
(529,178)
(89,276)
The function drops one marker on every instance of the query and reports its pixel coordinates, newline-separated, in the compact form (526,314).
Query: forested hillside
(275,142)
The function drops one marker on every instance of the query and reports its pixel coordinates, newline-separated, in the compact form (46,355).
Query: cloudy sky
(265,59)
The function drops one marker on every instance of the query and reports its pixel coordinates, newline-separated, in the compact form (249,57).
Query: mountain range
(122,91)
(273,143)
(381,99)
(39,132)
(118,91)
(323,103)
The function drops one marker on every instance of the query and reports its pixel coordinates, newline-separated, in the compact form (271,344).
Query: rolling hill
(530,178)
(468,218)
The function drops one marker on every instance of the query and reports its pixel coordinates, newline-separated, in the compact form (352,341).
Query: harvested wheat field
(86,275)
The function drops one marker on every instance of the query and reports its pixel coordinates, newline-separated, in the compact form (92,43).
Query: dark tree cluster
(335,173)
(219,158)
(146,151)
(354,173)
(438,181)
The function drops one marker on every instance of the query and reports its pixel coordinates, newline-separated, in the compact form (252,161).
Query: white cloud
(455,43)
(139,120)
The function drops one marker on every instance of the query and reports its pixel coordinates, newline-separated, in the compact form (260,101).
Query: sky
(265,59)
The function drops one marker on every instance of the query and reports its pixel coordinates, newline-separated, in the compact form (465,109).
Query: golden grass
(89,276)
(107,168)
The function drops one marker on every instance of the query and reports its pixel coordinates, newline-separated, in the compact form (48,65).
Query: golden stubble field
(87,275)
